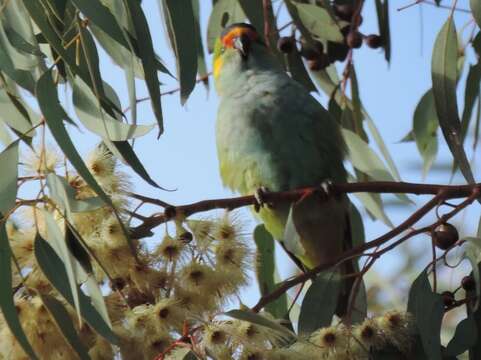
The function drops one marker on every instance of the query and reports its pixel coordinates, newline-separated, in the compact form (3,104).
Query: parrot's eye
(222,49)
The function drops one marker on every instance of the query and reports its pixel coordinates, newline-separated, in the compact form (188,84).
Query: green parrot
(272,134)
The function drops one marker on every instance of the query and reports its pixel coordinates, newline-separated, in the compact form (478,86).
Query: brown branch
(449,192)
(267,8)
(358,251)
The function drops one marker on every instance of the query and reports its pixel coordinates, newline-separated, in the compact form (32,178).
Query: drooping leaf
(22,77)
(147,56)
(476,11)
(8,180)
(201,64)
(373,204)
(475,313)
(298,71)
(382,10)
(65,196)
(472,252)
(101,16)
(471,93)
(7,305)
(366,160)
(54,270)
(464,337)
(68,55)
(428,311)
(224,13)
(54,114)
(319,303)
(56,238)
(63,321)
(179,18)
(99,122)
(257,319)
(444,75)
(425,126)
(319,23)
(266,270)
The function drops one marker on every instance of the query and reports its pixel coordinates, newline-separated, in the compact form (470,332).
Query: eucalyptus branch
(359,250)
(170,212)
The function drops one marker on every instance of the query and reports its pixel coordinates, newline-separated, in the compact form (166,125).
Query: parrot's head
(238,49)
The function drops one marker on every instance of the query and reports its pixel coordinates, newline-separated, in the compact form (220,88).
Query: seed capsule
(286,44)
(445,235)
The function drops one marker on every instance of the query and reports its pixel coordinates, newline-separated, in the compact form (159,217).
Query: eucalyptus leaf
(425,126)
(428,311)
(257,319)
(320,302)
(147,56)
(180,22)
(476,10)
(464,337)
(97,121)
(444,75)
(319,22)
(8,180)
(63,321)
(53,268)
(7,305)
(224,13)
(266,270)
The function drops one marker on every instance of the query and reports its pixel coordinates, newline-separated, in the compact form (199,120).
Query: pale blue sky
(185,157)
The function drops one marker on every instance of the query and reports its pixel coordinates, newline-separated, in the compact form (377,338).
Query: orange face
(236,32)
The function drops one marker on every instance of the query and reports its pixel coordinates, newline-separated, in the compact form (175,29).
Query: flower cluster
(196,268)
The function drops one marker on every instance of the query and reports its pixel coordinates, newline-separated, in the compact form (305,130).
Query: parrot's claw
(259,194)
(326,188)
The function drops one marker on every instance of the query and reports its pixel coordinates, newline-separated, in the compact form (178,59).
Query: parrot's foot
(260,195)
(326,189)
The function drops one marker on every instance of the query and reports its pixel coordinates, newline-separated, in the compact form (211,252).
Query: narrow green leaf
(444,74)
(471,93)
(318,21)
(319,303)
(7,305)
(147,56)
(464,337)
(63,321)
(357,226)
(266,270)
(179,18)
(12,116)
(75,247)
(56,238)
(364,158)
(373,205)
(54,270)
(472,252)
(97,121)
(428,310)
(224,13)
(101,16)
(476,10)
(425,126)
(8,180)
(298,71)
(22,77)
(201,63)
(65,196)
(257,319)
(382,10)
(54,114)
(41,18)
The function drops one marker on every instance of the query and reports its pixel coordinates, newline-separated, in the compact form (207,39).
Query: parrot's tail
(348,269)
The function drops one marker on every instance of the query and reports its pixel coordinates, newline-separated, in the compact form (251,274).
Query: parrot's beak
(242,43)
